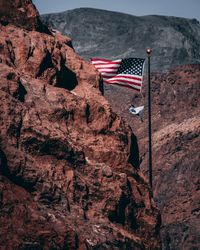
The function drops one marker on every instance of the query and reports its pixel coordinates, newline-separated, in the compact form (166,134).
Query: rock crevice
(67,176)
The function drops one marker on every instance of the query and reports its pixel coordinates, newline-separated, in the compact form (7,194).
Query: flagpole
(101,86)
(149,117)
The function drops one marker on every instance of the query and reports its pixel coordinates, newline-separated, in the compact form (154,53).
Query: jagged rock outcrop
(21,13)
(69,176)
(176,143)
(112,35)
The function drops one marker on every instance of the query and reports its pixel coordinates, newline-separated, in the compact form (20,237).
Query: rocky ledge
(69,166)
(176,143)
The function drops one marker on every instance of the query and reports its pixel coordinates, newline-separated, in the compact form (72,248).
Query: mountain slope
(99,33)
(176,143)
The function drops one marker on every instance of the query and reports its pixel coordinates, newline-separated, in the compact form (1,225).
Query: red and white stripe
(108,70)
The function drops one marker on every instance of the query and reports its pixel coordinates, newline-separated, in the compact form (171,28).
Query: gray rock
(100,33)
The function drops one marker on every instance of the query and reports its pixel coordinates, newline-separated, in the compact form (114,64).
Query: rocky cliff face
(100,33)
(176,143)
(21,13)
(69,176)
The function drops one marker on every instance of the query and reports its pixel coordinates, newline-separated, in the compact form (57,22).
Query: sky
(179,8)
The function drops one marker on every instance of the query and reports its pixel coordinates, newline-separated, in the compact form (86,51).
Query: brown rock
(21,13)
(69,172)
(176,143)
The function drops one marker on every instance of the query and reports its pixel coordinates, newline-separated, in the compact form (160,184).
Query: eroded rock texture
(69,176)
(21,13)
(176,143)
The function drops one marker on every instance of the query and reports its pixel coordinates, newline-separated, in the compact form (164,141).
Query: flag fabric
(137,111)
(126,72)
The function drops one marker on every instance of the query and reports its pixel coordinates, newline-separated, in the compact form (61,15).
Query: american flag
(122,72)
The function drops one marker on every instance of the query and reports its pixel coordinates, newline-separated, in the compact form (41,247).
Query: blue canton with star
(131,66)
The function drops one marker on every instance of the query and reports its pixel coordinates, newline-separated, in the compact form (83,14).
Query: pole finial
(149,50)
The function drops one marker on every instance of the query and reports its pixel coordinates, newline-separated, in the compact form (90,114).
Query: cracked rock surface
(175,147)
(69,166)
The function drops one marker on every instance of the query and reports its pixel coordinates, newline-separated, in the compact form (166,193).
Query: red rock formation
(21,13)
(176,143)
(69,172)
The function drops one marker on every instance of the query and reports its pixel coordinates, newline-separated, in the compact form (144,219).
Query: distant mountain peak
(108,34)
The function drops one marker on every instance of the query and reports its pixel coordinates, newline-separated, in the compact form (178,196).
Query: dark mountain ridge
(101,33)
(69,166)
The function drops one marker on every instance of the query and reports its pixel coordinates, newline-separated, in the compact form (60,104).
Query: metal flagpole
(149,117)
